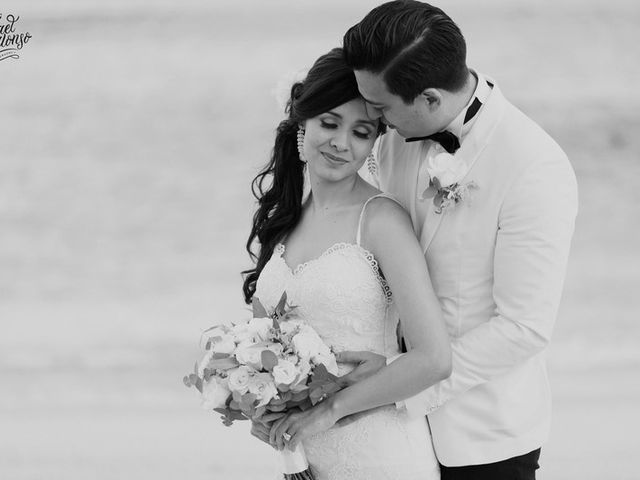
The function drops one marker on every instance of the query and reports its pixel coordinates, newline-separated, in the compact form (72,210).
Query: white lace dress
(342,295)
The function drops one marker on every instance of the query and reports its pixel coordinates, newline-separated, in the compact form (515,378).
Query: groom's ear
(432,97)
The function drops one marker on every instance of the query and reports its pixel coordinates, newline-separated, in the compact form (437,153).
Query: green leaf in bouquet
(237,398)
(300,387)
(199,384)
(259,412)
(278,407)
(225,363)
(285,396)
(248,399)
(322,384)
(247,403)
(269,360)
(193,378)
(291,312)
(299,396)
(229,415)
(281,307)
(258,309)
(186,381)
(207,373)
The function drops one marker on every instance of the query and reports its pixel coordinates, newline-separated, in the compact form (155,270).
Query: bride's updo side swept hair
(279,186)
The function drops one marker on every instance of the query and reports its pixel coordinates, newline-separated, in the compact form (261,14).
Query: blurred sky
(129,133)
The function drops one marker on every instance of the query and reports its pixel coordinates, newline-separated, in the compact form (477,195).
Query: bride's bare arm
(388,234)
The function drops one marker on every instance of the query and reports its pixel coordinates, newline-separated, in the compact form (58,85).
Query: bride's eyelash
(362,135)
(327,125)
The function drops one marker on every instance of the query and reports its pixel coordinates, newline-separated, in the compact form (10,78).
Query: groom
(497,250)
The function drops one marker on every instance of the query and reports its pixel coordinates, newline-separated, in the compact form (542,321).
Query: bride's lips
(334,159)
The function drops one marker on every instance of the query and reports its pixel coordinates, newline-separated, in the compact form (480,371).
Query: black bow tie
(447,139)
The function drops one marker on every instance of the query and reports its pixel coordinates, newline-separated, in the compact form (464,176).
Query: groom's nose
(373,112)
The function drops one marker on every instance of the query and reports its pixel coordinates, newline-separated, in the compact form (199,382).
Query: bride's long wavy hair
(279,186)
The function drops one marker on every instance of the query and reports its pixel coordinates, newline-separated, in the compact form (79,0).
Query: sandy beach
(130,132)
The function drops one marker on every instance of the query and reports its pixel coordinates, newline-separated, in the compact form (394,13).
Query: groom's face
(415,119)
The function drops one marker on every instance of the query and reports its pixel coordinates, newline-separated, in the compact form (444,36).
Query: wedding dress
(346,300)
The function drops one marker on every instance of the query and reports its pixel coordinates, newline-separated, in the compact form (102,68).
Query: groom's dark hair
(414,46)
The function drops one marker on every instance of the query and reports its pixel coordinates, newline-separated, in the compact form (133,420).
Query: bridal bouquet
(269,363)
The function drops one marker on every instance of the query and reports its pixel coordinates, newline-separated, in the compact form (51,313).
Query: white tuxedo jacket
(497,264)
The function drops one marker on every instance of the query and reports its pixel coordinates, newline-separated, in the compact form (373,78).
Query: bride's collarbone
(304,246)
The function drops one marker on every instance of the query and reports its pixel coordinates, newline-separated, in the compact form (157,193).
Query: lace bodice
(341,294)
(347,301)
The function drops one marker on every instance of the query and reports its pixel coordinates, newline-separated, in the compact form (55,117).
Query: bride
(329,252)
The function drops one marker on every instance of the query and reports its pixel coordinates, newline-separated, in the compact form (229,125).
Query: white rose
(249,354)
(285,373)
(239,379)
(329,361)
(300,383)
(224,344)
(242,333)
(214,394)
(306,344)
(446,168)
(290,326)
(304,367)
(262,386)
(261,327)
(275,348)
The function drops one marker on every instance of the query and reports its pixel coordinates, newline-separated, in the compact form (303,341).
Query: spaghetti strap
(379,195)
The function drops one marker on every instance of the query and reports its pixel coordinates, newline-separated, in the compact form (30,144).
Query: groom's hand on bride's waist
(367,363)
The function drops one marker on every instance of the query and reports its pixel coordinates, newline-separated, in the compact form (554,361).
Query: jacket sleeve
(535,227)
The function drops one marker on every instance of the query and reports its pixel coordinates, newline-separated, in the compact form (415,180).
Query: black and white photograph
(299,240)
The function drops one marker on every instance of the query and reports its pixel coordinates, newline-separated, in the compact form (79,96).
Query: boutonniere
(445,187)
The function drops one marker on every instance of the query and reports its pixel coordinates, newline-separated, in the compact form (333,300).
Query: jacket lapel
(473,145)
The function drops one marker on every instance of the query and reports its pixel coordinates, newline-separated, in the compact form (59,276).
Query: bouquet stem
(295,465)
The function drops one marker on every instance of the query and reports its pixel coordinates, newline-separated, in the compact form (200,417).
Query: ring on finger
(286,436)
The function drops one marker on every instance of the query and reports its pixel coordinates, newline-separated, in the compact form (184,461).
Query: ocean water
(130,132)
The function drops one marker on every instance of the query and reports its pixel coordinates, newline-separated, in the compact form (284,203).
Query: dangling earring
(371,164)
(301,144)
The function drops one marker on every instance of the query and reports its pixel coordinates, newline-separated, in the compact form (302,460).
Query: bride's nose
(339,140)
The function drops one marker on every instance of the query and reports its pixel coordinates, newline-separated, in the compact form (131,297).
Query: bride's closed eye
(364,135)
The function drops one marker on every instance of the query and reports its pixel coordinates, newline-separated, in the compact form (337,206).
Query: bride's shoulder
(383,214)
(384,205)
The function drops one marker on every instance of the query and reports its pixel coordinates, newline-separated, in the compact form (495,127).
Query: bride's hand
(367,363)
(302,424)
